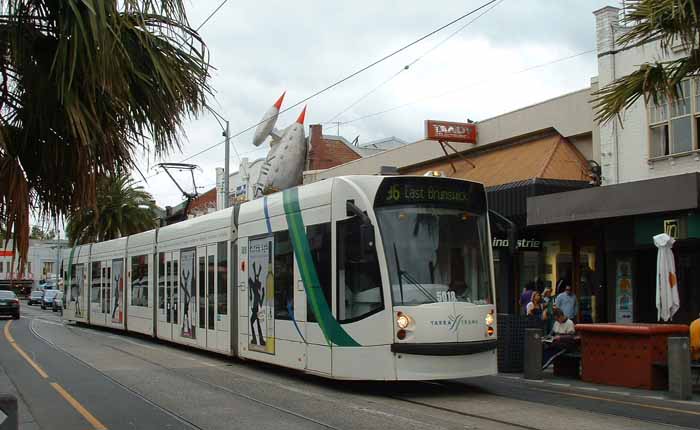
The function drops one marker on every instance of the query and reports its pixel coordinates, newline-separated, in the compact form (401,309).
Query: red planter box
(624,354)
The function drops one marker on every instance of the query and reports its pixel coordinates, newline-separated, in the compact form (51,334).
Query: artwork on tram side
(261,293)
(188,292)
(76,289)
(117,291)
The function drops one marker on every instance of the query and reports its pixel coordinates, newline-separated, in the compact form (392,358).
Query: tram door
(206,296)
(168,294)
(100,292)
(318,352)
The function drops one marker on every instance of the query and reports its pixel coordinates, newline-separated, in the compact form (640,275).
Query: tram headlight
(489,318)
(403,320)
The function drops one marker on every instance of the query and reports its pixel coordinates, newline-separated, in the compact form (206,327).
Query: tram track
(180,374)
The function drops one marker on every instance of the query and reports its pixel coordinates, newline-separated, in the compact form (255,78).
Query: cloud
(258,51)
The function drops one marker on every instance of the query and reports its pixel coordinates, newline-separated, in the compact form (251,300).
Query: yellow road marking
(7,332)
(94,422)
(623,402)
(21,352)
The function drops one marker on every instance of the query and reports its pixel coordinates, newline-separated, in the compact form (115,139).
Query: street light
(227,135)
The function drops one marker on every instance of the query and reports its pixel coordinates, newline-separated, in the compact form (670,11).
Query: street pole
(226,167)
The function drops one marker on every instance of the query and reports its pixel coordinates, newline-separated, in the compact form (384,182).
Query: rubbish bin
(511,340)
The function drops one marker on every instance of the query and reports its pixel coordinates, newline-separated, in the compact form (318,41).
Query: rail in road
(153,385)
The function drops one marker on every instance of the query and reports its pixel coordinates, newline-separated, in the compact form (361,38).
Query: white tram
(355,277)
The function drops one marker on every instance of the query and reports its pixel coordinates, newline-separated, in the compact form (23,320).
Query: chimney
(607,23)
(316,147)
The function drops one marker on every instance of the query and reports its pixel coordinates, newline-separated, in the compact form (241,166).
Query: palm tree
(671,21)
(122,209)
(85,87)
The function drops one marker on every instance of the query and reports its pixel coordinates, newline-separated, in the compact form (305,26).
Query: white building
(43,262)
(651,141)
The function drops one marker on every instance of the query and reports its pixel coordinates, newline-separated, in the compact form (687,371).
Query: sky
(259,50)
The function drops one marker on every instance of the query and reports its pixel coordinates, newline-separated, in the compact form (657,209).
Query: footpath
(26,420)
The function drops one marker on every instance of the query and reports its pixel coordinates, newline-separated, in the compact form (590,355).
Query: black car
(35,297)
(47,300)
(9,304)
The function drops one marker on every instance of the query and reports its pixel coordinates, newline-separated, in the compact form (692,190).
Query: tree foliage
(41,234)
(669,21)
(85,87)
(122,209)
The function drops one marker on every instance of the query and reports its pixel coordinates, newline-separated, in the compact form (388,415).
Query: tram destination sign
(435,191)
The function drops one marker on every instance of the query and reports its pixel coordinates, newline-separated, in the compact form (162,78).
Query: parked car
(35,297)
(9,304)
(47,300)
(58,303)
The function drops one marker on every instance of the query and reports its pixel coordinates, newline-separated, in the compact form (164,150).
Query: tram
(353,277)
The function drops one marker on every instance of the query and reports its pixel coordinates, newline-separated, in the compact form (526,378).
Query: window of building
(320,244)
(359,281)
(674,124)
(139,280)
(1,267)
(284,276)
(222,274)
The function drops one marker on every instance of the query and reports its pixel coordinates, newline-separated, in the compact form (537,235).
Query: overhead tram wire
(211,15)
(446,93)
(409,65)
(350,76)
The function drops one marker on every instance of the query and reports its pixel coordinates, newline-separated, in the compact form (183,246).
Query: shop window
(320,244)
(139,281)
(284,276)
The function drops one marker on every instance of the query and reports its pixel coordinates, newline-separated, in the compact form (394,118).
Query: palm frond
(84,85)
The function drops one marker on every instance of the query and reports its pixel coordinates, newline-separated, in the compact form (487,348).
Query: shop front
(601,240)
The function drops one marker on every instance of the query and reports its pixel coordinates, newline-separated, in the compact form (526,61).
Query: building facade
(650,164)
(43,262)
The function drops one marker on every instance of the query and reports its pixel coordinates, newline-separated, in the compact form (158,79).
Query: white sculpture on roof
(285,162)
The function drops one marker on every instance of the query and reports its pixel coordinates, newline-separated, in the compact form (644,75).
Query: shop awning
(672,193)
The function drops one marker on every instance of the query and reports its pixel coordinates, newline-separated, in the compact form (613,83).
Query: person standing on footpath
(526,296)
(566,301)
(548,309)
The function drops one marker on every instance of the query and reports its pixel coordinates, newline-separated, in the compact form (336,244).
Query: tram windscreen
(435,237)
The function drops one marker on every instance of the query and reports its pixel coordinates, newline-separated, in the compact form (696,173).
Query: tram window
(174,293)
(202,289)
(106,289)
(222,274)
(320,243)
(161,280)
(284,276)
(210,296)
(96,283)
(139,281)
(359,281)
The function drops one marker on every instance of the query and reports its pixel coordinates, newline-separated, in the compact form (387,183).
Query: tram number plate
(446,296)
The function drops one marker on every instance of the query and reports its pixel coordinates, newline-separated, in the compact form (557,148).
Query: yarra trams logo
(454,322)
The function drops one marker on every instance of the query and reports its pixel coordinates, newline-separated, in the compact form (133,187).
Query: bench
(568,365)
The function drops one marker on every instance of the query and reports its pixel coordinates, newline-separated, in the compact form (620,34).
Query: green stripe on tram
(332,330)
